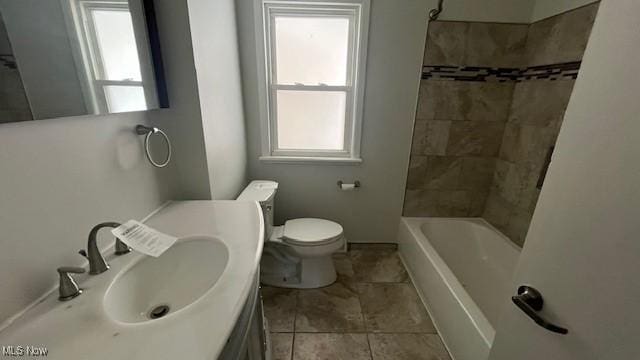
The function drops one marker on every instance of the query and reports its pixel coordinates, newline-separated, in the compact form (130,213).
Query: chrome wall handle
(530,301)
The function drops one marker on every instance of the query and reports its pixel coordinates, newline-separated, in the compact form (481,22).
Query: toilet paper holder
(356,184)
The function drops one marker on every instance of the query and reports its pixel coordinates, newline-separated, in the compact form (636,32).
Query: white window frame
(355,10)
(87,55)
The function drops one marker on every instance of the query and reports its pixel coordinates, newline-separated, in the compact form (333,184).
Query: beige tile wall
(459,125)
(479,147)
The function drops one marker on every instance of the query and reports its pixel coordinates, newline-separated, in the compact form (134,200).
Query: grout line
(364,320)
(295,318)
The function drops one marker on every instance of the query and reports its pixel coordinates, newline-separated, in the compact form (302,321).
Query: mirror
(63,58)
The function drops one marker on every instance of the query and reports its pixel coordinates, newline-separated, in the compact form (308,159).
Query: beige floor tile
(281,346)
(335,308)
(377,264)
(407,347)
(331,347)
(279,308)
(344,268)
(394,308)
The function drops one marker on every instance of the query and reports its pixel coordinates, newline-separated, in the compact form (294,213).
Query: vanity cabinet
(249,339)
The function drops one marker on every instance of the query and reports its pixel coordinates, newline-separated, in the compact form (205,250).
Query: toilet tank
(264,192)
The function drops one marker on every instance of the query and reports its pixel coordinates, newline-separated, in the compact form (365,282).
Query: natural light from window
(314,54)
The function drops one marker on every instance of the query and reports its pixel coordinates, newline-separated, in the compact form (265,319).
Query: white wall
(60,177)
(215,48)
(546,8)
(396,42)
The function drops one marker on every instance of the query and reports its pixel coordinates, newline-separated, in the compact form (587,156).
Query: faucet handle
(121,247)
(68,287)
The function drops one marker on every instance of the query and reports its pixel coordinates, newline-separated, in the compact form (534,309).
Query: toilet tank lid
(259,190)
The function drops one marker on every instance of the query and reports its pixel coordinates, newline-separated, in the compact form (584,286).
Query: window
(313,73)
(108,53)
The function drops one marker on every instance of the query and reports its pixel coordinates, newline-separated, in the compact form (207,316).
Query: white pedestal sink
(204,280)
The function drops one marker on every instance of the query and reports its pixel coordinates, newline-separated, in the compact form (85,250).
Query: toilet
(298,253)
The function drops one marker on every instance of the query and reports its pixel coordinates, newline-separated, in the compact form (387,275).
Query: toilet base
(306,273)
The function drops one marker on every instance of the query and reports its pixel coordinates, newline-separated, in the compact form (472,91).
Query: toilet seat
(311,232)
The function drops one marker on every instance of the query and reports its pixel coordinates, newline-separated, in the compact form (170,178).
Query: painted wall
(396,40)
(215,48)
(546,8)
(60,177)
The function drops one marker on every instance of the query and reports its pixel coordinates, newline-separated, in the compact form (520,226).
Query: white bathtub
(462,269)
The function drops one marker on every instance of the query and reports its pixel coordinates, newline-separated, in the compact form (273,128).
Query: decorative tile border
(562,71)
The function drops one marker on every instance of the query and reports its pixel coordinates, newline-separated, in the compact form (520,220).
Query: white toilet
(298,253)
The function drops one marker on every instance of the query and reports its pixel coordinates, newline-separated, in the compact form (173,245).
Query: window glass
(125,98)
(311,50)
(311,119)
(117,45)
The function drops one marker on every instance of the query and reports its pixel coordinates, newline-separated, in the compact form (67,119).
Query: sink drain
(159,311)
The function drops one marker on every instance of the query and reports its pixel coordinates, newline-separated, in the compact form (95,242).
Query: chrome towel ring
(148,131)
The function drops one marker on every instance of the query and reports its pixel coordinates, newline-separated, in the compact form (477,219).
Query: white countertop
(81,329)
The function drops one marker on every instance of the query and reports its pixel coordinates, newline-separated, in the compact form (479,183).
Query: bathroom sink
(155,288)
(183,304)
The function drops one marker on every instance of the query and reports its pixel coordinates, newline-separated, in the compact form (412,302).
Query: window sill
(310,160)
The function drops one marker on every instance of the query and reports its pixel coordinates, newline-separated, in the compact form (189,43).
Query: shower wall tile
(561,38)
(417,172)
(460,100)
(497,45)
(478,201)
(518,225)
(430,137)
(539,102)
(446,43)
(475,44)
(479,142)
(420,203)
(534,122)
(497,211)
(453,203)
(435,172)
(477,173)
(443,173)
(481,138)
(526,143)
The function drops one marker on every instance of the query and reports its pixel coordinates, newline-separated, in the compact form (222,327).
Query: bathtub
(462,269)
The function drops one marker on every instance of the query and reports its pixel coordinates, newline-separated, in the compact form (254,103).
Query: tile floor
(371,313)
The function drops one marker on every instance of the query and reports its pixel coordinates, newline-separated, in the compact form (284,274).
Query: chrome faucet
(68,287)
(97,263)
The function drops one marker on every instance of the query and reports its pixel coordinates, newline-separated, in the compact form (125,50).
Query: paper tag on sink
(144,239)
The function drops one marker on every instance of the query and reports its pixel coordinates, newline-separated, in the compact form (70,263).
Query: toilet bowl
(297,254)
